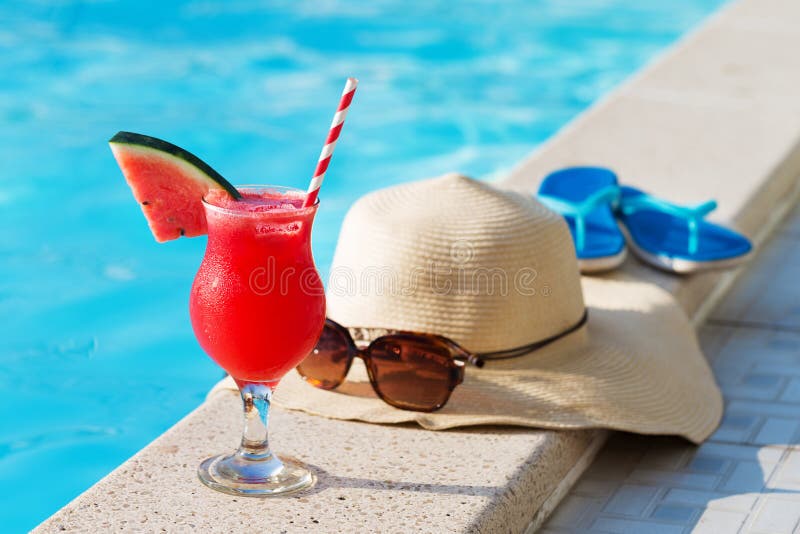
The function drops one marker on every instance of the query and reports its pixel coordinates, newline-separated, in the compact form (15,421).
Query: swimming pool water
(97,356)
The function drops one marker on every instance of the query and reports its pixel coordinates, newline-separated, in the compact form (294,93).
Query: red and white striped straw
(330,142)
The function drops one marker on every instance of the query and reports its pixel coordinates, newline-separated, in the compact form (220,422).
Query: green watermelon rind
(196,167)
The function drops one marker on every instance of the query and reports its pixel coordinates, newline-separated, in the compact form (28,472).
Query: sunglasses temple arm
(472,359)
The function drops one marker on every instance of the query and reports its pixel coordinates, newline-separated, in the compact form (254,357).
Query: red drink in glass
(257,302)
(257,307)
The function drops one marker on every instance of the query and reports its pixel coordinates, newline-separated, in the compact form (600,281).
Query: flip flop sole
(599,265)
(680,265)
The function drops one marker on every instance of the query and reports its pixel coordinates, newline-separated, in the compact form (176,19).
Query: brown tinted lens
(411,372)
(328,364)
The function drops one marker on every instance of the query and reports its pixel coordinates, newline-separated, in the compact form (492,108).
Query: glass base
(238,474)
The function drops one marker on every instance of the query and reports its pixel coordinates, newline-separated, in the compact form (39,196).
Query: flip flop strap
(691,214)
(608,195)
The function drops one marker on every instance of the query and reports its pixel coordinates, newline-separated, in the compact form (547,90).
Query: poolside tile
(704,464)
(787,476)
(748,477)
(776,515)
(712,500)
(778,431)
(667,457)
(571,510)
(792,391)
(672,512)
(631,500)
(673,479)
(761,408)
(735,427)
(589,487)
(769,294)
(740,452)
(713,339)
(627,526)
(718,521)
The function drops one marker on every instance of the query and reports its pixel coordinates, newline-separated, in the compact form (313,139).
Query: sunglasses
(407,370)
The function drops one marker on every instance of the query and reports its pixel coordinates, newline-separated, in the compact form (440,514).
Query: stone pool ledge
(717,116)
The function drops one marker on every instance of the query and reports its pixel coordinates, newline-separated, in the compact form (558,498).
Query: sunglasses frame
(459,357)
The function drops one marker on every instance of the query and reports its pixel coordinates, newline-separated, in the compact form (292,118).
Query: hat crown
(488,268)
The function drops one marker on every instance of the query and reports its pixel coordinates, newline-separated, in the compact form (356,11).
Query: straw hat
(495,270)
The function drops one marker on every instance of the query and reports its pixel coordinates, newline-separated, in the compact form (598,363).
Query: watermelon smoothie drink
(257,303)
(257,307)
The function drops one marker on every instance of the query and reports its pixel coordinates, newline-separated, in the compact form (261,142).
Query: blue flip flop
(585,197)
(676,238)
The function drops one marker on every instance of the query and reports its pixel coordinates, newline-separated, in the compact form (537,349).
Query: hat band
(519,351)
(363,335)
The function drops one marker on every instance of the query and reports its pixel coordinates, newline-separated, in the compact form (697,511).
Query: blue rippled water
(97,356)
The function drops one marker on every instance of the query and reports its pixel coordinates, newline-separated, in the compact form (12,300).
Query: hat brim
(636,366)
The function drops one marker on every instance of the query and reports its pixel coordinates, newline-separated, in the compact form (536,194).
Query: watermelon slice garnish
(168,182)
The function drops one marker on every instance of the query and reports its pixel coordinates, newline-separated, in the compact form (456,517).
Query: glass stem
(255,442)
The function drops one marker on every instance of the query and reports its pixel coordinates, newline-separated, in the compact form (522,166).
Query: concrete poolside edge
(715,116)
